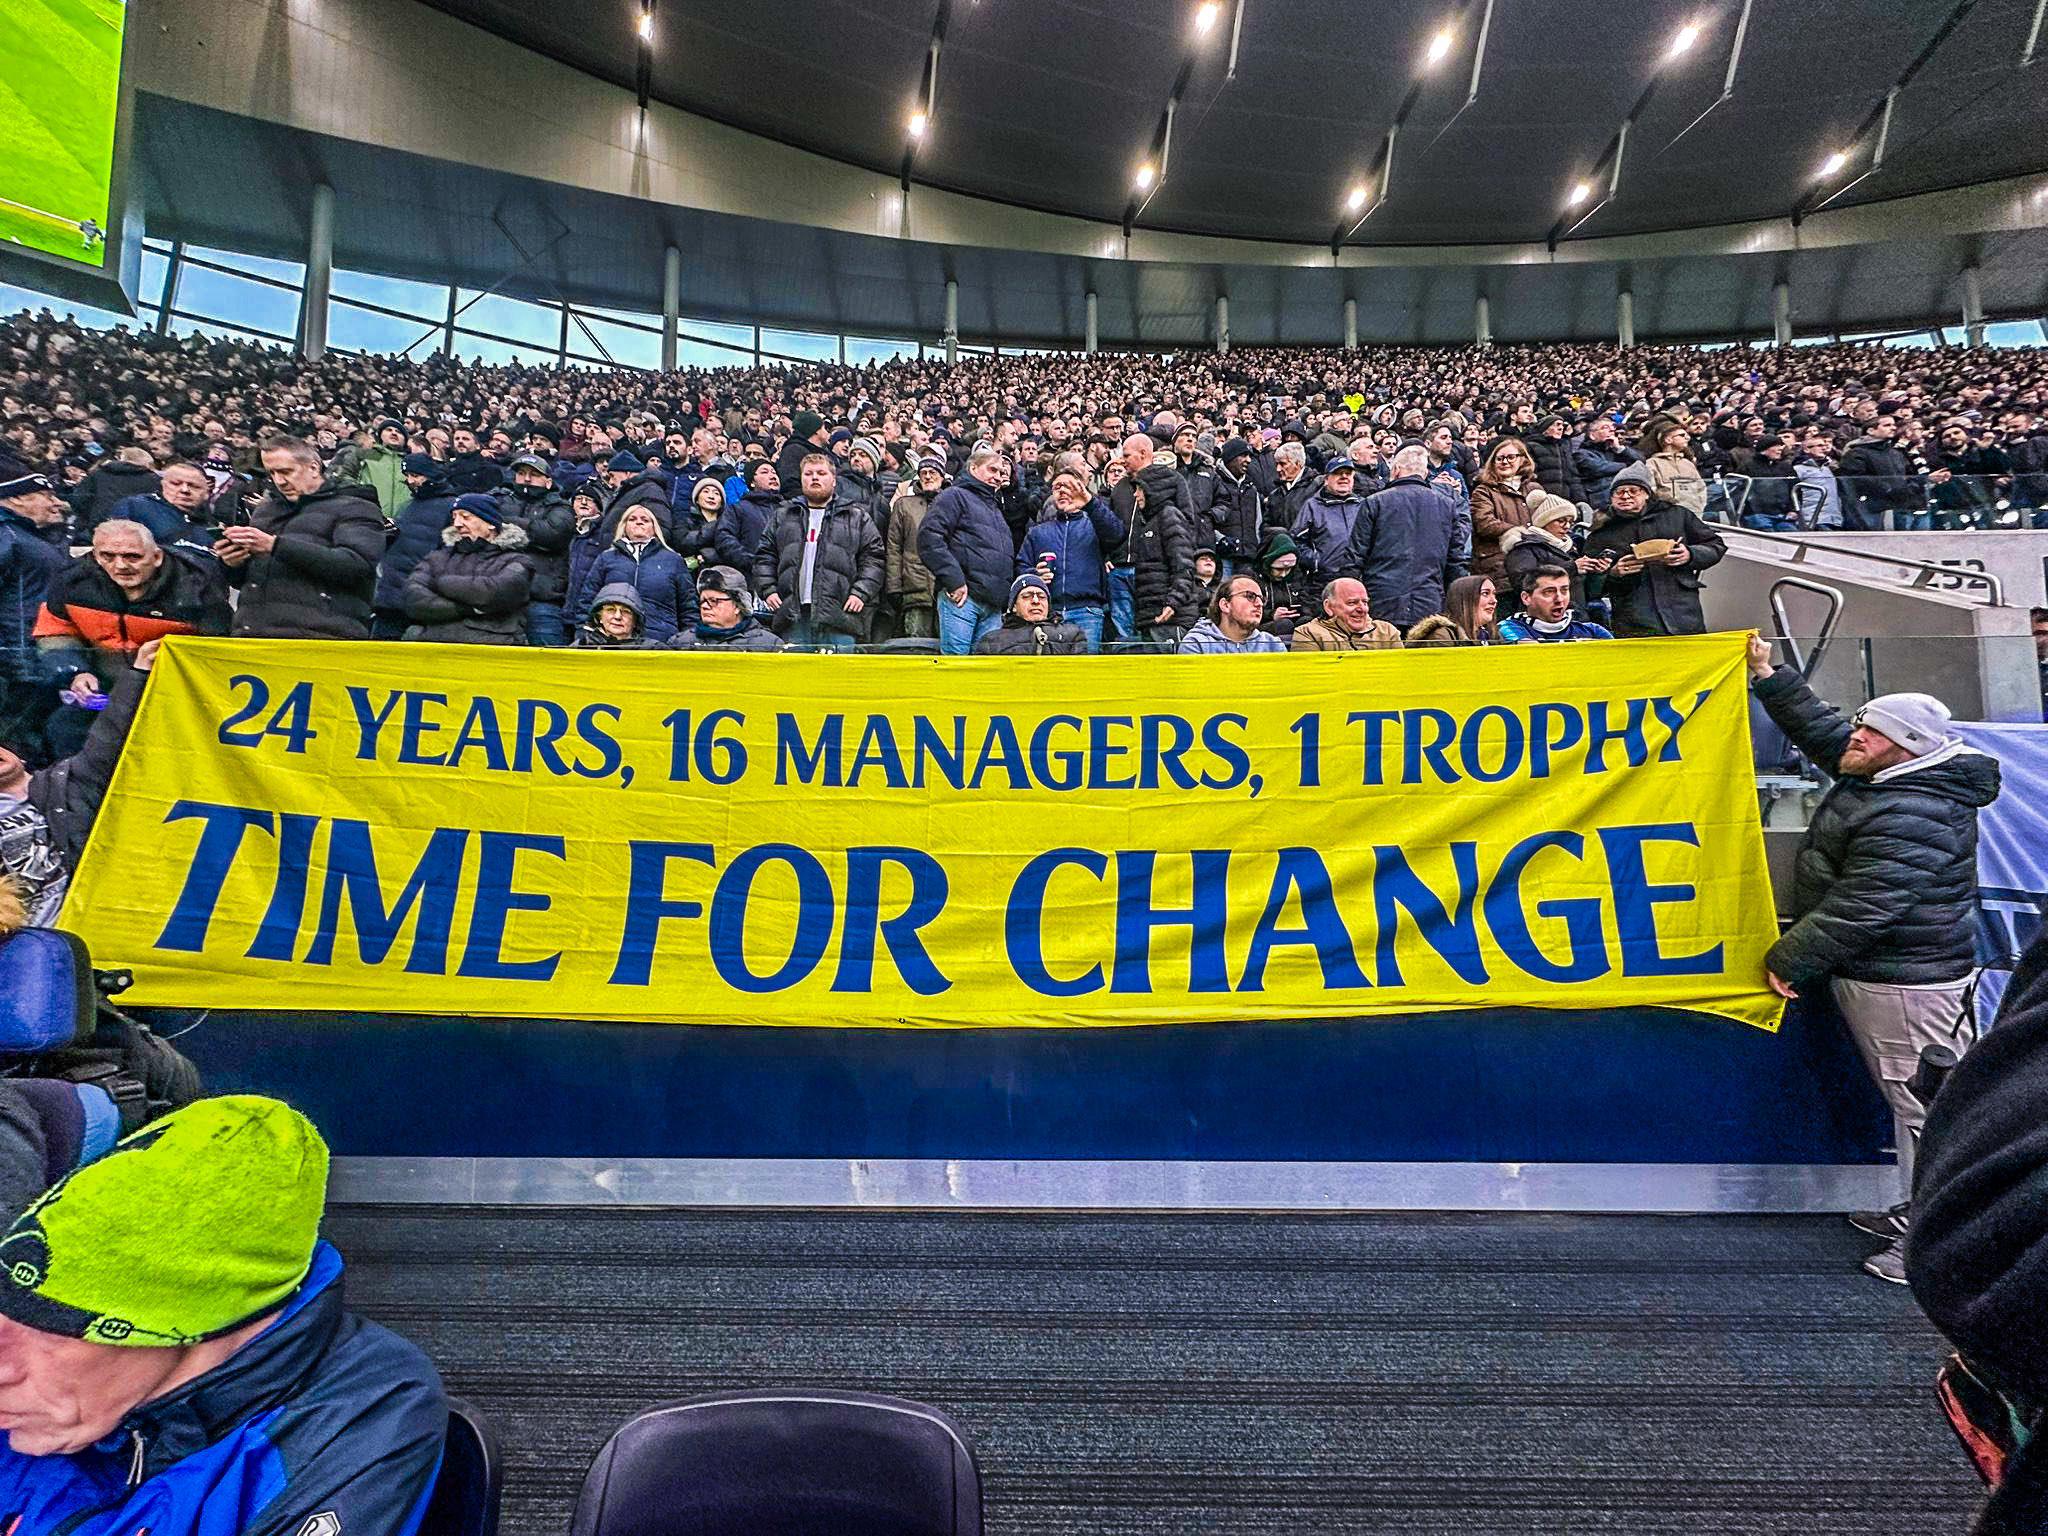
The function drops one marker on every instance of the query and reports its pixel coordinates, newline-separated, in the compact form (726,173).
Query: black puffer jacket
(1555,471)
(849,562)
(965,541)
(1014,637)
(1162,550)
(550,526)
(1231,526)
(472,591)
(1885,885)
(1659,599)
(316,582)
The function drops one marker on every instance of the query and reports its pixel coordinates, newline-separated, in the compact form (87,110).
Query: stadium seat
(47,999)
(791,1462)
(920,645)
(466,1494)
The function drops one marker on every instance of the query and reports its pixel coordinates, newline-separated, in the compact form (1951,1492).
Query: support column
(1222,324)
(174,269)
(1482,322)
(757,346)
(319,276)
(1973,306)
(1351,325)
(448,325)
(1781,313)
(671,306)
(1090,335)
(1625,318)
(952,320)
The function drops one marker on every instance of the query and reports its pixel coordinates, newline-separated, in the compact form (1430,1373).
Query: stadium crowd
(1282,500)
(1266,500)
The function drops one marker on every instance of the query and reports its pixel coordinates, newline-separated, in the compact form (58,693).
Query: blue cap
(1337,463)
(625,461)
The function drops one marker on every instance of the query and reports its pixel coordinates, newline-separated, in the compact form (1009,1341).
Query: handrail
(1925,572)
(1806,666)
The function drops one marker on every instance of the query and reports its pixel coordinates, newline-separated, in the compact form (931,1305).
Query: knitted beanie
(193,1226)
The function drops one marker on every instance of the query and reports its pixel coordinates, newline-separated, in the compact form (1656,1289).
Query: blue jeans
(817,637)
(1123,601)
(1086,617)
(545,625)
(961,624)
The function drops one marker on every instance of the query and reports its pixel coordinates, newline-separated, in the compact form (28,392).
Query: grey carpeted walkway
(1155,1374)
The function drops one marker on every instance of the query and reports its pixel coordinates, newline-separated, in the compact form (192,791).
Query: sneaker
(1889,1262)
(1886,1224)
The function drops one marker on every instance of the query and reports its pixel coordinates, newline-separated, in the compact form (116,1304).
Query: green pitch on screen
(59,87)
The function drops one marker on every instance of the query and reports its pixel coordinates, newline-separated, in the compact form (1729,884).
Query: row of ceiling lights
(1206,16)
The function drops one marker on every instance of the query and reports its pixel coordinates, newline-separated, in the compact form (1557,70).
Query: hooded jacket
(1404,547)
(383,470)
(1162,550)
(656,572)
(965,541)
(323,1421)
(1555,470)
(1231,524)
(317,581)
(1295,590)
(1439,629)
(472,591)
(1659,599)
(1207,639)
(589,636)
(1884,887)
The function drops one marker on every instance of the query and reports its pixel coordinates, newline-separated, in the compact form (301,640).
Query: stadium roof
(1054,104)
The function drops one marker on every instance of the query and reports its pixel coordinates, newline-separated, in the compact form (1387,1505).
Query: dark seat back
(783,1463)
(471,1481)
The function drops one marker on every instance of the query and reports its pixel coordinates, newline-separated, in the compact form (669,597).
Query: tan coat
(1495,509)
(1326,635)
(905,575)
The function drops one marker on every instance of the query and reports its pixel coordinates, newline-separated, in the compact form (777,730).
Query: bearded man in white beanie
(1884,891)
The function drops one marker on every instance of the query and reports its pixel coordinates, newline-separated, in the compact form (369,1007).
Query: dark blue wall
(1619,1085)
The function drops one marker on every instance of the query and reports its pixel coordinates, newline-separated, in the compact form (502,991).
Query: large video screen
(60,91)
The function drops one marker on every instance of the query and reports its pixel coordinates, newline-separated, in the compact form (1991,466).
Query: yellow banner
(835,840)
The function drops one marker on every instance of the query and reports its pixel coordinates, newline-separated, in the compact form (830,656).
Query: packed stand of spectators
(1273,499)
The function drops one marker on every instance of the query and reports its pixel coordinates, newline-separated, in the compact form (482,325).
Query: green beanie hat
(196,1224)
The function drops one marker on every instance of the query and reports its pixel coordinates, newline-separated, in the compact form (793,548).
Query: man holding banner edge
(1884,893)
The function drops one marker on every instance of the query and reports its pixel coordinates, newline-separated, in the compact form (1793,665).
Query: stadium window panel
(190,325)
(237,301)
(862,350)
(539,325)
(1813,341)
(2014,333)
(429,301)
(13,300)
(807,345)
(629,347)
(365,330)
(488,349)
(701,344)
(155,266)
(293,272)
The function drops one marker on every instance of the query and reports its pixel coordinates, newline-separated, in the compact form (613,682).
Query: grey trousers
(1890,1025)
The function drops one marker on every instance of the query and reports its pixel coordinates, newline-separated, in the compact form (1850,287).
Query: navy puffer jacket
(1885,885)
(419,535)
(965,541)
(657,573)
